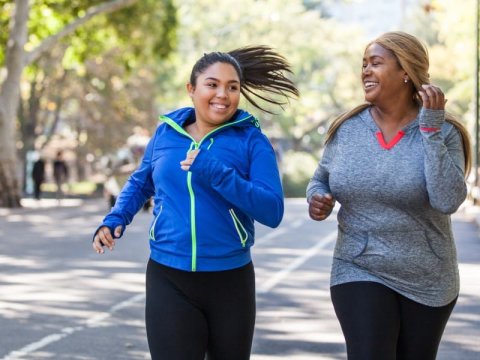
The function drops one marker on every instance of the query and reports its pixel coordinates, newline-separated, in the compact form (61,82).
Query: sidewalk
(54,287)
(99,204)
(30,205)
(469,211)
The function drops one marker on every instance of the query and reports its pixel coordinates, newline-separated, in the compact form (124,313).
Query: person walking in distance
(397,166)
(38,177)
(212,173)
(60,173)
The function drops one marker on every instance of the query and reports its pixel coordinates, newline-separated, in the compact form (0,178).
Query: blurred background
(92,77)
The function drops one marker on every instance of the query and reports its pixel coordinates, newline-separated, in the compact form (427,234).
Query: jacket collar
(240,118)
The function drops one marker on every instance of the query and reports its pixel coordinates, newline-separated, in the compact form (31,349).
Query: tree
(16,59)
(85,93)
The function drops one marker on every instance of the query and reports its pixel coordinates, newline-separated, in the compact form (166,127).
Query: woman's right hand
(104,237)
(321,206)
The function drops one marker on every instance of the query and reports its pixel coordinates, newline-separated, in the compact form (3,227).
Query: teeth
(370,84)
(219,106)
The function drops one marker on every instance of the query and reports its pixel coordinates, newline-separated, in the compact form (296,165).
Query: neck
(394,115)
(198,132)
(390,120)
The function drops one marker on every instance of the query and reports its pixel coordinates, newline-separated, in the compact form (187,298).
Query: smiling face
(383,78)
(215,95)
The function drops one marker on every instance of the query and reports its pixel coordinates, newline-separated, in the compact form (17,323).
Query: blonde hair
(412,56)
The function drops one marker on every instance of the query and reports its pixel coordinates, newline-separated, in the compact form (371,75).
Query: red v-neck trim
(392,142)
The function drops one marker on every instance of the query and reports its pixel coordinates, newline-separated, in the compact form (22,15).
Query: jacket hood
(240,118)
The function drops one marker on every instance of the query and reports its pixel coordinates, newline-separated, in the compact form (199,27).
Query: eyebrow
(373,57)
(215,79)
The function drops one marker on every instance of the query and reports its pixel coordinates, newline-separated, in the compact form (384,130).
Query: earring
(405,80)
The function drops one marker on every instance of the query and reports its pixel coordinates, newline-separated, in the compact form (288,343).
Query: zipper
(242,233)
(194,146)
(193,227)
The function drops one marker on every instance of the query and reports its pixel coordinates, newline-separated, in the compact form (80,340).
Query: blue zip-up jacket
(204,218)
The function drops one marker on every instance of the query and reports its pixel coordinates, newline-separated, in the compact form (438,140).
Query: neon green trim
(239,227)
(181,130)
(196,145)
(211,143)
(152,229)
(174,125)
(193,227)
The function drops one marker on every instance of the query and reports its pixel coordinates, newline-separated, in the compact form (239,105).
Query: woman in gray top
(397,166)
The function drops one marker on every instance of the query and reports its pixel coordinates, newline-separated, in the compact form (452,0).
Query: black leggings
(379,323)
(193,314)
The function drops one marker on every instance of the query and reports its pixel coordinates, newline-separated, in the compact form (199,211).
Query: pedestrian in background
(212,173)
(38,177)
(397,167)
(60,173)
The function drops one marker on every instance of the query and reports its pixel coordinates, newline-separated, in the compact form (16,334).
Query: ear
(190,89)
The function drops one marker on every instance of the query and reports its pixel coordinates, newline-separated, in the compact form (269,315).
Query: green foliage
(298,168)
(95,85)
(6,9)
(449,30)
(145,30)
(317,48)
(151,33)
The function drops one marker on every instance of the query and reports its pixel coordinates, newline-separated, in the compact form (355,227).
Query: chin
(220,119)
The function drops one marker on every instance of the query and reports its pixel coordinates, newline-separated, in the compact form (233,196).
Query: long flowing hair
(260,69)
(412,56)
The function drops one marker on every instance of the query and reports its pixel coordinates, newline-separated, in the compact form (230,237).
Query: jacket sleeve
(260,196)
(319,183)
(138,188)
(444,161)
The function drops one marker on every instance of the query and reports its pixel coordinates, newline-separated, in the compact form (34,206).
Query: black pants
(37,189)
(379,323)
(193,314)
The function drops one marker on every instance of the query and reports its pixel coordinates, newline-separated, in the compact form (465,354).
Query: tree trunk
(9,99)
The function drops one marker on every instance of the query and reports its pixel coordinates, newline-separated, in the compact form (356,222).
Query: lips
(369,84)
(219,106)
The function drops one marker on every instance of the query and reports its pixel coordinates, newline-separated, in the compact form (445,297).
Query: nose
(365,69)
(221,92)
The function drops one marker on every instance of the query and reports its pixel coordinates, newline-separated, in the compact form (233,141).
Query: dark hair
(259,68)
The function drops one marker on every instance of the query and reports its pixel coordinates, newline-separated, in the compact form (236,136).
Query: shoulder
(250,136)
(354,123)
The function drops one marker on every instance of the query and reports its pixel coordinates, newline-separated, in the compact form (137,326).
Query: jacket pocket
(242,233)
(152,228)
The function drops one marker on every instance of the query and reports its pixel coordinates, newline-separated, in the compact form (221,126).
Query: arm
(260,196)
(443,153)
(444,162)
(138,188)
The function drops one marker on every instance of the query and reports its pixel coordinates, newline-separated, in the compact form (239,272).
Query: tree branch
(50,42)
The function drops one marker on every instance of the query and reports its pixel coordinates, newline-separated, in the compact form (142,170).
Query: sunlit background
(98,92)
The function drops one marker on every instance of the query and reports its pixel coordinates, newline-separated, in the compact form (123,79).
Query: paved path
(59,300)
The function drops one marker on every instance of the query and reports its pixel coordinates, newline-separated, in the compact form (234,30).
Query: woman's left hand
(432,97)
(191,155)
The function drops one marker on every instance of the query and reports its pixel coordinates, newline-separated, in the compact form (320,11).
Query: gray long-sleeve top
(396,200)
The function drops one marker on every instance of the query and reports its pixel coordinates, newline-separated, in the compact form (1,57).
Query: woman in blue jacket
(212,173)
